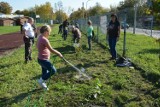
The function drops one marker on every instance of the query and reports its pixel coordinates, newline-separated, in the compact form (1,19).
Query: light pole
(86,8)
(35,14)
(135,16)
(60,6)
(83,9)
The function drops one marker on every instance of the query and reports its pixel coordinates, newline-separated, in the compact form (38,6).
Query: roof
(6,19)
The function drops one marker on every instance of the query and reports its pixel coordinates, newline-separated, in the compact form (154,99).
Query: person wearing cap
(113,31)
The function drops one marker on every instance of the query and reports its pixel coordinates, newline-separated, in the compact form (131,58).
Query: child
(89,33)
(44,49)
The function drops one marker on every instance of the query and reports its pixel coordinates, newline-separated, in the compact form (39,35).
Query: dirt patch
(9,42)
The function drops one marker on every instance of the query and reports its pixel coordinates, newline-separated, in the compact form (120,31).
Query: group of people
(76,33)
(45,49)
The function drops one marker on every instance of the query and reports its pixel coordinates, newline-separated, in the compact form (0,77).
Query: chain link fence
(143,24)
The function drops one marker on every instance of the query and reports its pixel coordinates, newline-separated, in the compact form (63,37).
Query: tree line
(57,12)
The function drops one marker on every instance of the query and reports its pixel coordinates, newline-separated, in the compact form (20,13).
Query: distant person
(65,29)
(28,38)
(60,28)
(77,25)
(113,32)
(76,34)
(21,27)
(89,33)
(44,50)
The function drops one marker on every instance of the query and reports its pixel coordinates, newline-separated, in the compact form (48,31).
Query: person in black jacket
(60,29)
(113,31)
(65,29)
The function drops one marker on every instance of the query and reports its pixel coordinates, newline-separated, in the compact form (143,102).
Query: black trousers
(28,48)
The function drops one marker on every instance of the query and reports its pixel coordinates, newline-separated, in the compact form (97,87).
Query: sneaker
(42,84)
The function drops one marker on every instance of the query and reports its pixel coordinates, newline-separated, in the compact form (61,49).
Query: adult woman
(113,31)
(89,33)
(44,49)
(76,34)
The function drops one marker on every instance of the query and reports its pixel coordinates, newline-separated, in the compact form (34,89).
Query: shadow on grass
(9,65)
(152,51)
(151,76)
(9,101)
(55,40)
(66,50)
(59,71)
(149,92)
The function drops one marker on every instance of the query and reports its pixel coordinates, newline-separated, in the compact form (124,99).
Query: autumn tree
(78,14)
(97,10)
(5,8)
(45,11)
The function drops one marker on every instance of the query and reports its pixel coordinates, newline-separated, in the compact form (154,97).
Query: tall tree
(77,14)
(25,12)
(45,11)
(97,10)
(59,10)
(5,8)
(154,6)
(18,12)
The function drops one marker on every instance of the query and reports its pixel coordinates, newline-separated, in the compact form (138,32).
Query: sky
(74,4)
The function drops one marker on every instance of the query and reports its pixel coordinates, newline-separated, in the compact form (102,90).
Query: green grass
(109,86)
(143,51)
(9,29)
(12,29)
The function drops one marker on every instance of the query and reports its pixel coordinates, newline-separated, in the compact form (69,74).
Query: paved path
(155,33)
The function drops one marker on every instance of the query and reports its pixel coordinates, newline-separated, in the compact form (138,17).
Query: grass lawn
(9,29)
(110,86)
(143,51)
(12,29)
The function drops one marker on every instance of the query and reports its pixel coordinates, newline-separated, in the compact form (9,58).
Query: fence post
(98,24)
(151,24)
(124,41)
(135,16)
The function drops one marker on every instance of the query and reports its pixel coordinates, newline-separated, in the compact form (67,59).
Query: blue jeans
(112,45)
(65,33)
(89,42)
(47,69)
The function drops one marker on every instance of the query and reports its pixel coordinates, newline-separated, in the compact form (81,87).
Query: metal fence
(143,25)
(139,23)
